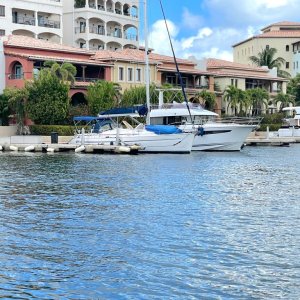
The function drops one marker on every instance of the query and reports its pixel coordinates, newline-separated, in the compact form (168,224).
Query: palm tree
(267,58)
(259,97)
(209,99)
(284,100)
(66,72)
(233,96)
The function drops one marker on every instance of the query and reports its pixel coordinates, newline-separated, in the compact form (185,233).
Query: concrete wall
(8,130)
(2,67)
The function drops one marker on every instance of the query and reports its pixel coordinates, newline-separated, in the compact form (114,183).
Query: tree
(259,97)
(293,88)
(233,96)
(48,101)
(4,110)
(267,58)
(16,102)
(134,95)
(65,72)
(284,100)
(209,99)
(102,95)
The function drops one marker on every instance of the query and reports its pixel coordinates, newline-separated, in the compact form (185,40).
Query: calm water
(199,226)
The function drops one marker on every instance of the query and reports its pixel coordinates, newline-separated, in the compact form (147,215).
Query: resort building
(101,24)
(242,76)
(38,19)
(281,36)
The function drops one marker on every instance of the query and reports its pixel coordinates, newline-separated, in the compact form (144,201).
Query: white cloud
(190,20)
(206,43)
(223,24)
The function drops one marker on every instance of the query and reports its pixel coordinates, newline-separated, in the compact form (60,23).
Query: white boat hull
(222,137)
(149,141)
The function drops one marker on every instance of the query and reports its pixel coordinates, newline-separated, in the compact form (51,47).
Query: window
(129,74)
(121,74)
(138,75)
(232,81)
(267,47)
(297,65)
(2,11)
(287,65)
(2,32)
(287,48)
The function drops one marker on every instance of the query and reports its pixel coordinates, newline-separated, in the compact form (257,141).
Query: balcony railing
(49,23)
(97,30)
(80,29)
(116,34)
(130,36)
(86,79)
(24,20)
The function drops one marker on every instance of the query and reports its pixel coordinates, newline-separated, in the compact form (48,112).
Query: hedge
(272,127)
(47,129)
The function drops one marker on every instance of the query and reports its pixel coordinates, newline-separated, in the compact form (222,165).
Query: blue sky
(209,28)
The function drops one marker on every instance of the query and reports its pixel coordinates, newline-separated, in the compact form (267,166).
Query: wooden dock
(102,149)
(270,141)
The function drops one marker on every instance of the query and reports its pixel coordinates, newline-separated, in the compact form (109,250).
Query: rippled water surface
(199,226)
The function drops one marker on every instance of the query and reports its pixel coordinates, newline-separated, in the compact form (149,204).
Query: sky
(209,28)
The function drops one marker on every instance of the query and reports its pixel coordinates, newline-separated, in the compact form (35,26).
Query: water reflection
(206,225)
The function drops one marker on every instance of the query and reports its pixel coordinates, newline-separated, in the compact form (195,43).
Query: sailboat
(150,138)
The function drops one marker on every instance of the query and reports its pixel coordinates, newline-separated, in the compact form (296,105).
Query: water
(199,226)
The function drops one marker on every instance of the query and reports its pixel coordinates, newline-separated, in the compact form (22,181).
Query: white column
(87,34)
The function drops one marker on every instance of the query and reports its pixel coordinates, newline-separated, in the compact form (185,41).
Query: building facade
(101,24)
(280,36)
(89,24)
(38,19)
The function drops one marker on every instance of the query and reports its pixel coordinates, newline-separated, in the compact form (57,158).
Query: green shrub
(47,129)
(272,127)
(273,118)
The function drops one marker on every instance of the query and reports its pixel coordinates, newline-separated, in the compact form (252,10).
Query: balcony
(48,23)
(97,30)
(24,21)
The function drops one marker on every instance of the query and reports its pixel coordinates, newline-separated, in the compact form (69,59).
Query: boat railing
(176,105)
(240,120)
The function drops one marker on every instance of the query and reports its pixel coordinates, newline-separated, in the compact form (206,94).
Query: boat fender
(80,149)
(13,148)
(201,131)
(29,148)
(51,150)
(122,149)
(1,148)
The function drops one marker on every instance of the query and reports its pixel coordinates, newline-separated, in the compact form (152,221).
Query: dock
(43,144)
(269,139)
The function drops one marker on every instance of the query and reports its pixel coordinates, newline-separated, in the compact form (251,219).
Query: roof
(84,61)
(137,56)
(282,23)
(213,63)
(32,43)
(223,68)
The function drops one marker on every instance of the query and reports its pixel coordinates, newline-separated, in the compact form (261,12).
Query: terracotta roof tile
(57,58)
(137,55)
(213,63)
(32,43)
(280,34)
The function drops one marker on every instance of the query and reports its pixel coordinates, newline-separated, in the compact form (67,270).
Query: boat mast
(147,72)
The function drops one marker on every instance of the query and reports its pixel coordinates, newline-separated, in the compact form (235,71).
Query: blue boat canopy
(85,118)
(135,111)
(163,129)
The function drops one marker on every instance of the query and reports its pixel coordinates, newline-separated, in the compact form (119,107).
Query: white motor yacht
(291,127)
(213,134)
